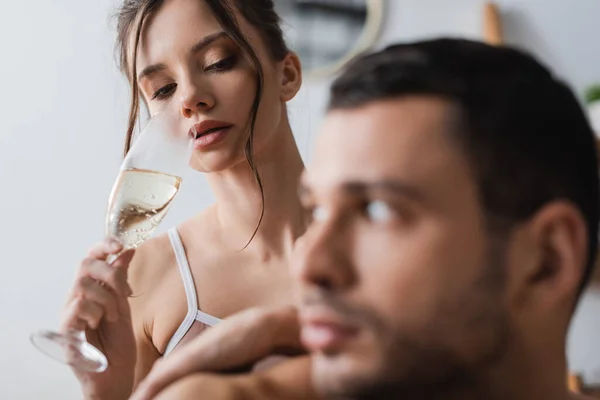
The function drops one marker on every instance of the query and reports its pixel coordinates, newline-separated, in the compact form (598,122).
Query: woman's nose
(196,100)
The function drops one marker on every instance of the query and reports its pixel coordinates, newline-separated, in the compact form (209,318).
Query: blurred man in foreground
(454,197)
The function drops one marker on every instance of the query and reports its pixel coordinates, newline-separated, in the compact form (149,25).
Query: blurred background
(63,112)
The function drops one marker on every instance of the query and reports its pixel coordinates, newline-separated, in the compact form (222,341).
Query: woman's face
(187,64)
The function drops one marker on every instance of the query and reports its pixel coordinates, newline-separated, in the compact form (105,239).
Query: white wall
(62,116)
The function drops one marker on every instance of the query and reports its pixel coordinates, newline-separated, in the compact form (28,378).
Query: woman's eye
(222,65)
(379,211)
(164,92)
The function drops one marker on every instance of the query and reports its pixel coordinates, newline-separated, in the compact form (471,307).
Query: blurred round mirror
(327,33)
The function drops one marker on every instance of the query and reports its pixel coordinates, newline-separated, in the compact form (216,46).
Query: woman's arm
(146,271)
(146,353)
(130,360)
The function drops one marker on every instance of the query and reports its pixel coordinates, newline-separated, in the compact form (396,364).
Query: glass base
(70,349)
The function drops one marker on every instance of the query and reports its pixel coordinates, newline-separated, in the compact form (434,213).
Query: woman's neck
(239,200)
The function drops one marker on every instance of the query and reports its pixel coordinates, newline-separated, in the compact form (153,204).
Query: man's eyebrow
(389,186)
(363,188)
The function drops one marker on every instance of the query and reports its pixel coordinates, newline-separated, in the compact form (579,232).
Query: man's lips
(325,330)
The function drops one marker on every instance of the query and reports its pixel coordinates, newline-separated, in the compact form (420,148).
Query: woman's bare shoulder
(155,257)
(150,264)
(202,228)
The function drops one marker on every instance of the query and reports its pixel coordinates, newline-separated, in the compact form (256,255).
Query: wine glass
(147,183)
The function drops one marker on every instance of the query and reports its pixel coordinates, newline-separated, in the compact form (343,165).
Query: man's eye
(319,213)
(164,92)
(379,211)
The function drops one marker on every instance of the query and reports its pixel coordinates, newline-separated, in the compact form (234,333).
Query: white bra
(193,314)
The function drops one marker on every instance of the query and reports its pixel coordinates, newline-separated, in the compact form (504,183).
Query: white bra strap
(207,319)
(190,289)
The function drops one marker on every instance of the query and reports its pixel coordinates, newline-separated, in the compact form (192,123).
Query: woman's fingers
(92,290)
(100,290)
(102,250)
(114,278)
(81,309)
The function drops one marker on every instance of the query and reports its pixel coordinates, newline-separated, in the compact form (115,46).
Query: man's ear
(291,76)
(554,255)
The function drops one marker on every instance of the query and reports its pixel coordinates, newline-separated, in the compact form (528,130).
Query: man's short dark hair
(524,132)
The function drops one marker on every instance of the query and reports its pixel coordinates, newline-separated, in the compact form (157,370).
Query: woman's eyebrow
(203,43)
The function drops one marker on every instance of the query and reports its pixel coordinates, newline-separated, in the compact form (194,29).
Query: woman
(225,67)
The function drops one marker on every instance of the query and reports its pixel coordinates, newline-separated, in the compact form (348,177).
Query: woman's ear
(291,76)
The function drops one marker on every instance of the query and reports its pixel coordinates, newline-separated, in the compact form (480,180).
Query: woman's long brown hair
(259,13)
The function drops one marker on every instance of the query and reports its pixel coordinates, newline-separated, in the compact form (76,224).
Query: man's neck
(528,373)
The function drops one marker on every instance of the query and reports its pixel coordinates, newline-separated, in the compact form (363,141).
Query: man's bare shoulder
(581,397)
(288,380)
(208,386)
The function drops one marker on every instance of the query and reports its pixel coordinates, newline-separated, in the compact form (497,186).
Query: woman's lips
(209,132)
(210,138)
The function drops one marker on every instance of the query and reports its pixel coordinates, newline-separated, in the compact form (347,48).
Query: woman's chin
(215,162)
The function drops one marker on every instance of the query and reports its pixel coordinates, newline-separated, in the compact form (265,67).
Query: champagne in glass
(138,203)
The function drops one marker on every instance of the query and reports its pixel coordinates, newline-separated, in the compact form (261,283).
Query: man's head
(454,193)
